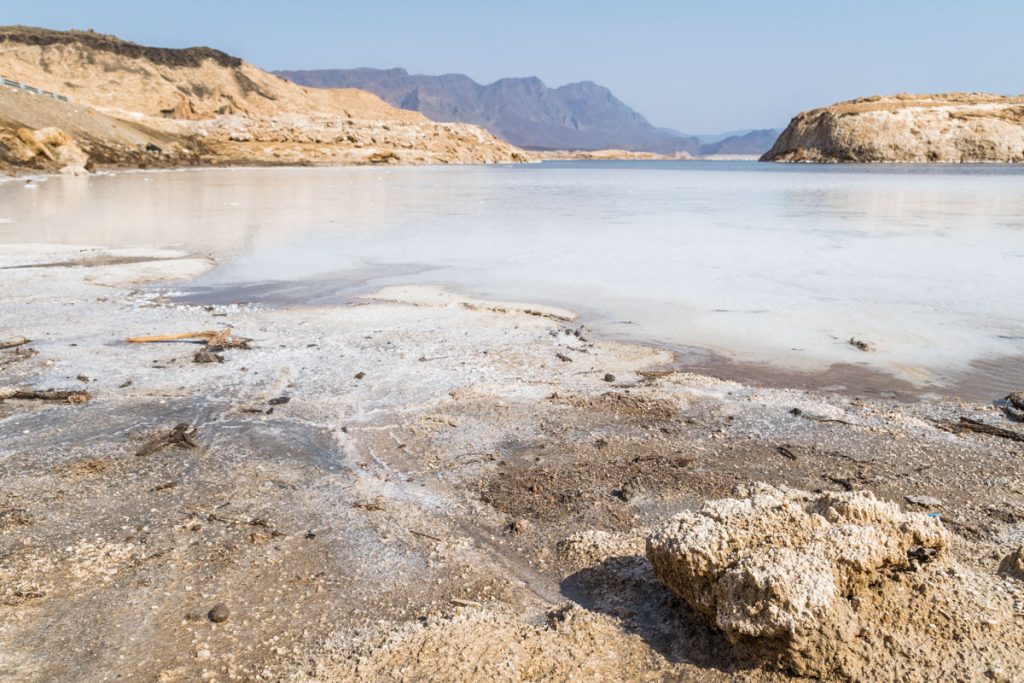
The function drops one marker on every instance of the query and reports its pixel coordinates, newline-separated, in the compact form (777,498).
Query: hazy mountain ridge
(741,145)
(524,111)
(527,113)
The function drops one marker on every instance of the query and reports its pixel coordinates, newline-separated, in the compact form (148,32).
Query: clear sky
(699,67)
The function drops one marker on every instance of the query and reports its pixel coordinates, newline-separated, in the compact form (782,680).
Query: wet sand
(383,490)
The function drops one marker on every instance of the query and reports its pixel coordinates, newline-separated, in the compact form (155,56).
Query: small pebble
(925,501)
(609,377)
(219,613)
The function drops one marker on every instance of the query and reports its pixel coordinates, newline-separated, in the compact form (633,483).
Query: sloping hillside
(195,83)
(947,128)
(523,111)
(238,111)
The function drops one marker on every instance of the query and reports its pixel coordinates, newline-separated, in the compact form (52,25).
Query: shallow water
(764,263)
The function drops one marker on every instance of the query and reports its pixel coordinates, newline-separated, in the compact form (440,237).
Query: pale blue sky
(700,67)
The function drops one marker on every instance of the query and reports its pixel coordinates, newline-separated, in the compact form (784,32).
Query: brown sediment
(845,379)
(989,379)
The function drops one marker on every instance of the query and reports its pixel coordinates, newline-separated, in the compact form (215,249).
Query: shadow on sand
(625,588)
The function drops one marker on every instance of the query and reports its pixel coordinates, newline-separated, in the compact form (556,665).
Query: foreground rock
(218,106)
(952,128)
(834,585)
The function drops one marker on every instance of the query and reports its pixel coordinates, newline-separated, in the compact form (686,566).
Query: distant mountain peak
(524,111)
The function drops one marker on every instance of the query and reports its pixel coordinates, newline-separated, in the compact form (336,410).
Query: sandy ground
(418,487)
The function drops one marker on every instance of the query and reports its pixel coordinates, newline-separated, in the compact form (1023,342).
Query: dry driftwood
(213,341)
(13,342)
(57,395)
(966,424)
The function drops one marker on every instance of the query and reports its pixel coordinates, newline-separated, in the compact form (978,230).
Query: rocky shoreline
(426,482)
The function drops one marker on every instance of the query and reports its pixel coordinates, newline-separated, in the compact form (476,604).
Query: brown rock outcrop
(950,128)
(46,148)
(839,586)
(58,147)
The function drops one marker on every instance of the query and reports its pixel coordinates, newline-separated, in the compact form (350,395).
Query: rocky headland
(131,105)
(949,128)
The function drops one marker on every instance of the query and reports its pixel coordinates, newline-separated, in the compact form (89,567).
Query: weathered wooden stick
(72,396)
(206,335)
(13,342)
(966,424)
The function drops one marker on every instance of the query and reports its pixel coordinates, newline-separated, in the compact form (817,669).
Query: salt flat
(759,263)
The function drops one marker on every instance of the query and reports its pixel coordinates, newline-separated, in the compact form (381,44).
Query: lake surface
(763,263)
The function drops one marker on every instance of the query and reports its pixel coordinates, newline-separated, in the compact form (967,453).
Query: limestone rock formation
(840,586)
(950,128)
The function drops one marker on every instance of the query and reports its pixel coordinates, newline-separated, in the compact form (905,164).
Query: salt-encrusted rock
(780,571)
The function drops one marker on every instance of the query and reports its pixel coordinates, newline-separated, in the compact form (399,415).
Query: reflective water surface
(764,263)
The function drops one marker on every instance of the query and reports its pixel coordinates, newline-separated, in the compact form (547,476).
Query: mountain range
(528,113)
